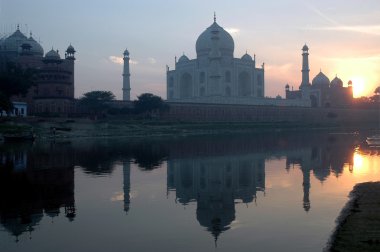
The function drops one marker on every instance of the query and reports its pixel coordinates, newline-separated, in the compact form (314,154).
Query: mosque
(54,89)
(321,92)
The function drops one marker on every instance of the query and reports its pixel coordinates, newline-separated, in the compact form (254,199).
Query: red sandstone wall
(244,113)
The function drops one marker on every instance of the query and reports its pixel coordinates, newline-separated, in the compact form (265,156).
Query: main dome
(225,43)
(320,81)
(14,41)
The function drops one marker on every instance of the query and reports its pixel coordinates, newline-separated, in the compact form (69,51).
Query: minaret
(305,67)
(126,78)
(70,58)
(126,184)
(306,188)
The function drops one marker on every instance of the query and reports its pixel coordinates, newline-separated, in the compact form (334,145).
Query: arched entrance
(314,101)
(186,86)
(244,84)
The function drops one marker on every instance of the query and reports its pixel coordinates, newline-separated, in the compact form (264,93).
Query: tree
(96,102)
(14,80)
(148,103)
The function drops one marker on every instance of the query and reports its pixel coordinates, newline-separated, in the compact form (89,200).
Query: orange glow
(358,161)
(358,86)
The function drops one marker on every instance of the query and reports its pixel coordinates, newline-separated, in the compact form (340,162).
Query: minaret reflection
(216,184)
(321,161)
(126,184)
(35,182)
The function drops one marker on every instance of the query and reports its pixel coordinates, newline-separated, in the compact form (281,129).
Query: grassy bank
(118,127)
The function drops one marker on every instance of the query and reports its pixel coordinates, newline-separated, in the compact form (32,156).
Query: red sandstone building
(53,93)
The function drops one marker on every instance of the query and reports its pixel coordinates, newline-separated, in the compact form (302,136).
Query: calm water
(271,192)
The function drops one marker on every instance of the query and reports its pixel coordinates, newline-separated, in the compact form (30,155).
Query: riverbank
(358,226)
(84,128)
(119,127)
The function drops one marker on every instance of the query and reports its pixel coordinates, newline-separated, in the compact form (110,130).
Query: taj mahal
(217,77)
(215,71)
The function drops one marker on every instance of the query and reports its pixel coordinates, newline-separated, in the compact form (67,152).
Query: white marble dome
(320,81)
(183,58)
(247,57)
(204,42)
(336,82)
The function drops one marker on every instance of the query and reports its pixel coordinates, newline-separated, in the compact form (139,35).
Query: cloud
(336,26)
(117,196)
(152,60)
(233,31)
(285,68)
(365,29)
(120,61)
(367,58)
(322,15)
(116,60)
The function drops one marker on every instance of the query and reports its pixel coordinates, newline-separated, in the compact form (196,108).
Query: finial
(18,27)
(254,56)
(320,70)
(246,51)
(214,16)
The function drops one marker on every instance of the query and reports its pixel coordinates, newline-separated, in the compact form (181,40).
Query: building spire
(214,17)
(18,27)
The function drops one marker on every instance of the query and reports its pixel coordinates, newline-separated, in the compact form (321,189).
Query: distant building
(19,109)
(54,90)
(321,92)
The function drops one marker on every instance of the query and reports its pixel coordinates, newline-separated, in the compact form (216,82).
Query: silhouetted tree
(148,103)
(376,96)
(14,80)
(96,102)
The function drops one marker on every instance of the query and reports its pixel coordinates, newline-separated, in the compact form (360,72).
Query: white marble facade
(215,72)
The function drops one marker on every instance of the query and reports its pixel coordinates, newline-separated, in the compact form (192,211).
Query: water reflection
(216,174)
(325,156)
(35,182)
(216,183)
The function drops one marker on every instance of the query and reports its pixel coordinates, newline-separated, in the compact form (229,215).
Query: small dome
(52,55)
(247,57)
(350,83)
(305,48)
(36,48)
(183,58)
(320,81)
(225,43)
(287,86)
(14,41)
(70,49)
(336,82)
(126,52)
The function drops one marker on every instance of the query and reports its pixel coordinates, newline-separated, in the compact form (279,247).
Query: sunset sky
(343,37)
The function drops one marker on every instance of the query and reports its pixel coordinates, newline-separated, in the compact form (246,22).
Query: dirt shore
(358,226)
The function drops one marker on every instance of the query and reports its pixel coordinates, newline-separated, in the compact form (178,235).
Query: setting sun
(358,86)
